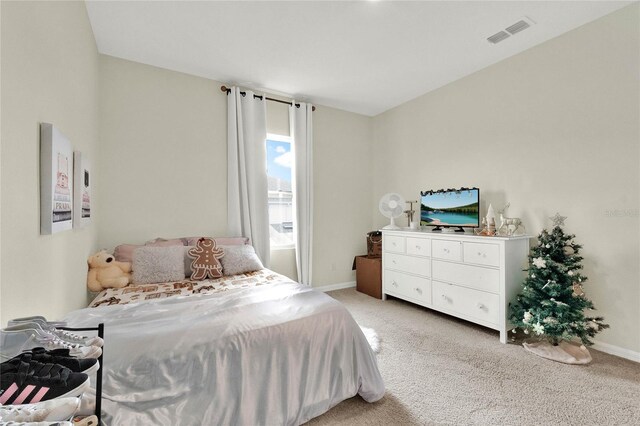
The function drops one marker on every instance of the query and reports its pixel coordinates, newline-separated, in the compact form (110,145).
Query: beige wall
(163,154)
(163,143)
(278,118)
(342,153)
(555,128)
(283,261)
(49,74)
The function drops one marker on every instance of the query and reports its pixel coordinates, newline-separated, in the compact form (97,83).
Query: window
(279,165)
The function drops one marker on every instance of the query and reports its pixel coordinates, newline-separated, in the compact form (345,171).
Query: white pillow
(158,264)
(239,259)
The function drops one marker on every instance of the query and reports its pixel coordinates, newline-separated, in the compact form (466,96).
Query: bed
(248,349)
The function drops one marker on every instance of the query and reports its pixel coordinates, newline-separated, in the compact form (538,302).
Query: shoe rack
(100,330)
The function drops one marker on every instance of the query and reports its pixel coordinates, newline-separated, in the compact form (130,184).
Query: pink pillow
(225,241)
(162,242)
(124,252)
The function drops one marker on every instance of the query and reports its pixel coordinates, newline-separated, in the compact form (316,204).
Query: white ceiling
(365,57)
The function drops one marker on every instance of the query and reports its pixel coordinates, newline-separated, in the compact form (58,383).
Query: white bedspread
(280,353)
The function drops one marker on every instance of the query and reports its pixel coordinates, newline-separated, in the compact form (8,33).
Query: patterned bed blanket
(148,292)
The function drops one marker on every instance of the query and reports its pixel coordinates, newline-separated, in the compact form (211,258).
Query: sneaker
(76,338)
(87,403)
(76,365)
(28,383)
(37,318)
(15,340)
(55,409)
(75,351)
(44,330)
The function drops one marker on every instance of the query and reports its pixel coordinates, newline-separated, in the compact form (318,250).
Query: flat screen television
(459,208)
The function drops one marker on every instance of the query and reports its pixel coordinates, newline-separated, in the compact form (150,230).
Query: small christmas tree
(552,304)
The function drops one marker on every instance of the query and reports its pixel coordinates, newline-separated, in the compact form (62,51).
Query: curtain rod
(227,90)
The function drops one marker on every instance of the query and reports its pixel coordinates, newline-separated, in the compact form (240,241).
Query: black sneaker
(29,383)
(77,365)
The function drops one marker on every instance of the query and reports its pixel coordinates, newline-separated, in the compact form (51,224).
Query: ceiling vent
(498,37)
(521,25)
(517,27)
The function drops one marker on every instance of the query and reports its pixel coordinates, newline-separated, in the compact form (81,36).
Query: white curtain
(247,199)
(302,131)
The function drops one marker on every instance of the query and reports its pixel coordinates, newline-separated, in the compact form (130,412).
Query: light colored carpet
(439,370)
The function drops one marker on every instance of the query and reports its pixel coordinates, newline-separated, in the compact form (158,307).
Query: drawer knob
(418,290)
(393,283)
(480,306)
(446,250)
(445,298)
(393,244)
(418,247)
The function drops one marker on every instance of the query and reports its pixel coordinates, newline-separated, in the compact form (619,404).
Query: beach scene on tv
(452,208)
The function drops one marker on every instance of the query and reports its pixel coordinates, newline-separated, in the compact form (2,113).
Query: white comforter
(275,354)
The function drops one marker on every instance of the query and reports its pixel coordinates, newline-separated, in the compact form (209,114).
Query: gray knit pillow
(158,264)
(239,259)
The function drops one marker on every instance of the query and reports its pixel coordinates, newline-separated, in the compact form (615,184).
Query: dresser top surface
(407,232)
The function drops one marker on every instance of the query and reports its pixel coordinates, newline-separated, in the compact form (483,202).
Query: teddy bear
(106,272)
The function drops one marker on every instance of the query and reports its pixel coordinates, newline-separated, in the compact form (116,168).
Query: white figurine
(491,216)
(509,225)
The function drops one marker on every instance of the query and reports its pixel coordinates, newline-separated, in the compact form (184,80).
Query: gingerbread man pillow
(205,262)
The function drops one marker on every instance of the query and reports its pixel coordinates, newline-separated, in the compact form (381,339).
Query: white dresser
(467,276)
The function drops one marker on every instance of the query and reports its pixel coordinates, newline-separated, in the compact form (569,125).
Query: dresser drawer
(393,243)
(468,302)
(419,246)
(478,277)
(403,285)
(445,249)
(410,264)
(481,254)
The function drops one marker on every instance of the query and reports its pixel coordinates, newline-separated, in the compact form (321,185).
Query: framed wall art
(81,190)
(56,180)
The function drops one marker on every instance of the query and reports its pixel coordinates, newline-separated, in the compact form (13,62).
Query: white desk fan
(392,206)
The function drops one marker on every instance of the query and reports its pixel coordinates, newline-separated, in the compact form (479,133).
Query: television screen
(451,208)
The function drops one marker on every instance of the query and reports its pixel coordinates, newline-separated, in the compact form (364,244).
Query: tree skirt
(565,352)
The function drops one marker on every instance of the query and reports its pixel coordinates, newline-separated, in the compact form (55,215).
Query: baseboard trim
(617,351)
(338,286)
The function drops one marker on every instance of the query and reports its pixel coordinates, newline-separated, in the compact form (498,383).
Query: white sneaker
(78,339)
(38,318)
(87,403)
(46,330)
(77,351)
(15,340)
(52,410)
